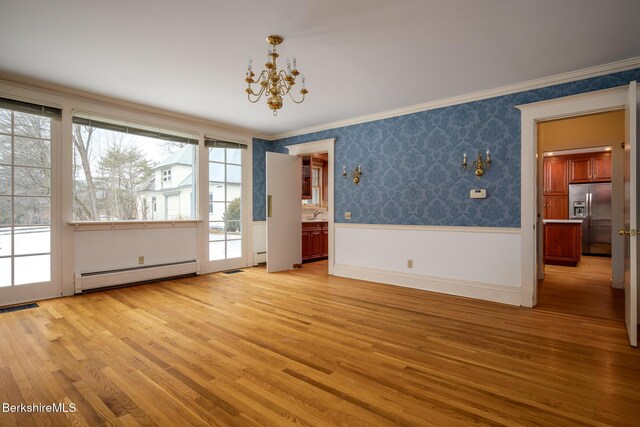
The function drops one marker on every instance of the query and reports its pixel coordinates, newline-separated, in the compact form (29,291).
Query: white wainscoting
(105,250)
(475,262)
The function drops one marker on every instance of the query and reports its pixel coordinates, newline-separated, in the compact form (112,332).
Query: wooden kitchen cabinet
(592,167)
(601,165)
(562,243)
(556,188)
(314,241)
(555,176)
(556,207)
(306,177)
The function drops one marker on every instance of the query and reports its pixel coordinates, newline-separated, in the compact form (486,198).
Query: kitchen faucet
(316,213)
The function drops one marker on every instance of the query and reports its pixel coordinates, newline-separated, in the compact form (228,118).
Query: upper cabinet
(601,164)
(306,177)
(592,167)
(555,176)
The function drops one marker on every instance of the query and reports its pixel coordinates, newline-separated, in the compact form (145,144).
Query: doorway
(575,204)
(292,234)
(318,206)
(624,219)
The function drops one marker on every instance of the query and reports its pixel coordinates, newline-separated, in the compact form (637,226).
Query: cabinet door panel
(562,243)
(306,245)
(556,177)
(316,244)
(602,167)
(325,242)
(306,177)
(556,207)
(580,170)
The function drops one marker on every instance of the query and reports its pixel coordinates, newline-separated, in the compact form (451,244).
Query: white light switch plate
(478,193)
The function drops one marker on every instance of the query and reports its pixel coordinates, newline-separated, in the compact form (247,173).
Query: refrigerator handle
(589,205)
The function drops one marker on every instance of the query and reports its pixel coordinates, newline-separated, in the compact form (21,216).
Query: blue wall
(411,164)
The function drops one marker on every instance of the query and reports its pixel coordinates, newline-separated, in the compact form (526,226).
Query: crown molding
(585,73)
(77,94)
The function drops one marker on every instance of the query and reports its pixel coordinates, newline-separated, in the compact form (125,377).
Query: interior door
(629,233)
(284,212)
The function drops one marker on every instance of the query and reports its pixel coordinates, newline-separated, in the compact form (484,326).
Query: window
(316,187)
(25,197)
(316,191)
(122,173)
(225,200)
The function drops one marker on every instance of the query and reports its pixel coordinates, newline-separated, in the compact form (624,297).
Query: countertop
(314,220)
(562,221)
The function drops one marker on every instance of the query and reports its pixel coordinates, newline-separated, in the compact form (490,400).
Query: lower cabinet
(562,243)
(315,236)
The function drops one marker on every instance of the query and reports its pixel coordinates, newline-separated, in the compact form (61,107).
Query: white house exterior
(169,193)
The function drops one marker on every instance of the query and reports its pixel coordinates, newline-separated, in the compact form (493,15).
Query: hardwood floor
(584,290)
(302,347)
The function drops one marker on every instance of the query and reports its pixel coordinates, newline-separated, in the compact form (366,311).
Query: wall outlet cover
(140,260)
(478,193)
(347,215)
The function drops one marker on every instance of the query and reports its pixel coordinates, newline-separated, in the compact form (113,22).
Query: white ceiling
(359,56)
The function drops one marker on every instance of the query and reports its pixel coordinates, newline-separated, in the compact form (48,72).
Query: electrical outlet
(347,215)
(409,263)
(140,260)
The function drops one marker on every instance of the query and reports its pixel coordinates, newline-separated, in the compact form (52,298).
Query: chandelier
(273,83)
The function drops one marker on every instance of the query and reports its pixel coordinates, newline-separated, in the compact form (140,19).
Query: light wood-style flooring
(305,348)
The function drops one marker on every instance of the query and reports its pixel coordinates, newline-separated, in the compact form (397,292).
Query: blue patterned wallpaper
(411,164)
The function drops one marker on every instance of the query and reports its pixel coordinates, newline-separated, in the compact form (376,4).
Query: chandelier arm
(284,88)
(294,100)
(257,95)
(261,76)
(283,82)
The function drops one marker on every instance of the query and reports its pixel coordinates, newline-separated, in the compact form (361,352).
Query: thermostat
(478,193)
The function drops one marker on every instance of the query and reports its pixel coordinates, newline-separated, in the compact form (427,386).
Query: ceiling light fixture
(274,83)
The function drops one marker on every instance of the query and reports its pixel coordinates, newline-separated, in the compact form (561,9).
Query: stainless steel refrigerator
(592,204)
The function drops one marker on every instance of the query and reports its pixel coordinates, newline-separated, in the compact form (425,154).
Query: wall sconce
(478,164)
(355,174)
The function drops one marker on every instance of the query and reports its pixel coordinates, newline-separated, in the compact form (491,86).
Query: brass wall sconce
(479,164)
(355,174)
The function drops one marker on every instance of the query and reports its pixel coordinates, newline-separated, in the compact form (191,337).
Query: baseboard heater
(102,279)
(259,257)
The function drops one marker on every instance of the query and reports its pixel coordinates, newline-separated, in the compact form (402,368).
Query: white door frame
(322,146)
(531,114)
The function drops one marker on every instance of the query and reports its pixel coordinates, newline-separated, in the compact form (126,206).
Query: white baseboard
(484,291)
(94,281)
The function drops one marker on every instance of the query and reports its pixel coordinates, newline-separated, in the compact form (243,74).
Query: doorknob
(624,233)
